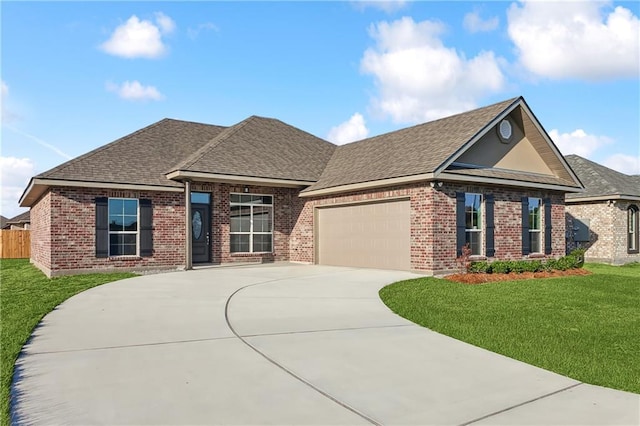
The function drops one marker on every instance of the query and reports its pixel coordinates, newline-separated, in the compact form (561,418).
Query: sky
(78,75)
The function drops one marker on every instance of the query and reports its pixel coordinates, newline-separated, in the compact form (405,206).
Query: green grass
(27,295)
(584,327)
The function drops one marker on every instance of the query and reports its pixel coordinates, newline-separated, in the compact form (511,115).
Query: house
(21,221)
(3,222)
(604,219)
(178,193)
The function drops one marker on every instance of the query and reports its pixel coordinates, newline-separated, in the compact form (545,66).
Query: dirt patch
(487,278)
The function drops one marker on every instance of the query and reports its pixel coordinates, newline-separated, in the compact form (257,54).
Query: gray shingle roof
(23,217)
(262,147)
(601,181)
(406,152)
(3,221)
(142,157)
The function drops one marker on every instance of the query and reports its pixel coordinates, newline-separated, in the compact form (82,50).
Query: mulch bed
(486,278)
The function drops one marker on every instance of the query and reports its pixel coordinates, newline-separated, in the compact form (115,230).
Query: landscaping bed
(468,278)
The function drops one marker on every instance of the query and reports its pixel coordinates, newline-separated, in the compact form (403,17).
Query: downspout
(187,202)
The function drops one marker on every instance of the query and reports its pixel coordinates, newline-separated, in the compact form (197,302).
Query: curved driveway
(278,344)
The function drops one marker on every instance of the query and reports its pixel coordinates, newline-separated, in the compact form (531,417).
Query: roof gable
(264,148)
(600,181)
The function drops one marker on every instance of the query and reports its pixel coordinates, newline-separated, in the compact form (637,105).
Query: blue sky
(77,75)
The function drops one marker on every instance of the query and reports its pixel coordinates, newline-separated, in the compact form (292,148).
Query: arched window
(632,229)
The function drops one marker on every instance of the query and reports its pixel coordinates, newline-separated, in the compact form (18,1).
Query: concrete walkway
(278,344)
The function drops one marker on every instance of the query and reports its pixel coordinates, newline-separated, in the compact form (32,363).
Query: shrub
(501,267)
(534,266)
(479,268)
(579,255)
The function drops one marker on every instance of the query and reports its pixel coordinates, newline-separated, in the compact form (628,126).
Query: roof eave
(613,197)
(452,177)
(181,175)
(38,186)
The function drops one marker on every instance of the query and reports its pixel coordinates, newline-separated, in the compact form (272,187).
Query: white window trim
(633,217)
(251,233)
(539,230)
(481,224)
(137,233)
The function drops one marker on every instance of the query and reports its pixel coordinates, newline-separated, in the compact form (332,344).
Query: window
(632,229)
(473,222)
(123,226)
(535,204)
(251,223)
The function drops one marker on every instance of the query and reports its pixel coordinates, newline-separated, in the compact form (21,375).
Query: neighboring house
(21,221)
(177,193)
(3,221)
(604,219)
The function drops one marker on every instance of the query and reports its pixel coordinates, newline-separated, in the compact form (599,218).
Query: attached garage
(373,235)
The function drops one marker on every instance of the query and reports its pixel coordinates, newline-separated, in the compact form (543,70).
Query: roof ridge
(225,134)
(448,117)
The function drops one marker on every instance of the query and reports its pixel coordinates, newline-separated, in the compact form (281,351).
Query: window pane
(116,223)
(473,239)
(262,243)
(130,207)
(239,243)
(130,223)
(534,213)
(534,242)
(246,198)
(235,198)
(122,244)
(115,206)
(473,205)
(200,197)
(262,219)
(267,199)
(240,219)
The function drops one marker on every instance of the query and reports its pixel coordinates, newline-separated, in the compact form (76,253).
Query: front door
(201,233)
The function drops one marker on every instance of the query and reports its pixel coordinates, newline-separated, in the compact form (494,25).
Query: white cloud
(575,39)
(419,79)
(39,142)
(166,24)
(140,38)
(388,6)
(351,130)
(193,33)
(474,23)
(624,163)
(15,174)
(8,116)
(134,91)
(578,142)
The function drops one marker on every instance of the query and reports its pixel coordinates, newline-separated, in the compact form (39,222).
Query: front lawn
(584,327)
(27,295)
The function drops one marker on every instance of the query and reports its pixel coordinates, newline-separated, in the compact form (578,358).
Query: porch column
(187,202)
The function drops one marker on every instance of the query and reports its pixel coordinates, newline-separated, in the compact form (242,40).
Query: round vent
(505,130)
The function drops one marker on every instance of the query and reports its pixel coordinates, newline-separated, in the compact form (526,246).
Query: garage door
(365,235)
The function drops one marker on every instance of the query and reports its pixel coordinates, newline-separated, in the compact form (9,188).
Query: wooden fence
(15,244)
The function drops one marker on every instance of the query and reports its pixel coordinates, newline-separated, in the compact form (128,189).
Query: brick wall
(220,214)
(607,231)
(40,215)
(433,222)
(71,232)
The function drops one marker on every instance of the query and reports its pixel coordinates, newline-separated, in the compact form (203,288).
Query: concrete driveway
(278,344)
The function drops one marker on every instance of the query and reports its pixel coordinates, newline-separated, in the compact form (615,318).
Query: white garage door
(376,235)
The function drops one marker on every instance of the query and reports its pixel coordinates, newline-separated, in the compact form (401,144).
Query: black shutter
(488,205)
(102,227)
(525,226)
(460,223)
(547,226)
(146,228)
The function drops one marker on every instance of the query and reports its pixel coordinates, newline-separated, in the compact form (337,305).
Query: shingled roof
(412,151)
(142,157)
(601,181)
(261,147)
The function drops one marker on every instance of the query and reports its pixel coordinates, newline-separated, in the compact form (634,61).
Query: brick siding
(63,225)
(607,230)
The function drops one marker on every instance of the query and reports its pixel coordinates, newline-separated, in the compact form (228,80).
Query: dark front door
(201,233)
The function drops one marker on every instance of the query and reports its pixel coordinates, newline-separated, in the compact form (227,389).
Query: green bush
(501,267)
(479,268)
(534,266)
